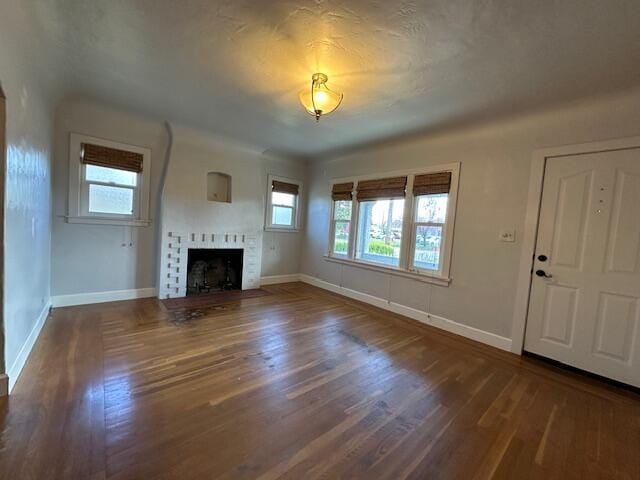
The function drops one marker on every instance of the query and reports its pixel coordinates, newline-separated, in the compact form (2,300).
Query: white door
(586,311)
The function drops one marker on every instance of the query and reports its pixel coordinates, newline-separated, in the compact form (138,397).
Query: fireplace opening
(214,270)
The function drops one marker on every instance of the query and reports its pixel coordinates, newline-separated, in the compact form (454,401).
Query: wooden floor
(301,384)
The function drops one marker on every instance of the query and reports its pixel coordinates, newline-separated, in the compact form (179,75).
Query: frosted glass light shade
(319,100)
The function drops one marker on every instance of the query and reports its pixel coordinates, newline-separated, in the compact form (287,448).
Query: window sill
(108,221)
(421,277)
(284,229)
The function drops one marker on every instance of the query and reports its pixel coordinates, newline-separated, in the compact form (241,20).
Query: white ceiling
(235,67)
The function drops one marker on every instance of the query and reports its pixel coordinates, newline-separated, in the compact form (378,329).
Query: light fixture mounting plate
(319,78)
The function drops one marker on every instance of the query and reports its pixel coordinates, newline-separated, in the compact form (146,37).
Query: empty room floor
(299,383)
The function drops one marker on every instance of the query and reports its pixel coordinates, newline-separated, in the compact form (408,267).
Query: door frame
(532,218)
(4,379)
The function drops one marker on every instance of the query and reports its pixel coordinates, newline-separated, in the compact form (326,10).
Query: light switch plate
(507,235)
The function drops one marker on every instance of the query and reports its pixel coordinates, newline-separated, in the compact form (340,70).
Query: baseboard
(274,279)
(472,333)
(102,297)
(14,371)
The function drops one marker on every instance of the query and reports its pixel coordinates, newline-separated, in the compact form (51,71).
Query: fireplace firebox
(214,269)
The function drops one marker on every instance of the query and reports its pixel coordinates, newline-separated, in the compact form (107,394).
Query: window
(380,231)
(282,204)
(381,210)
(431,192)
(403,223)
(107,182)
(341,222)
(109,191)
(428,228)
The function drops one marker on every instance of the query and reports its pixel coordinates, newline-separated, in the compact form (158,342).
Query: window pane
(341,237)
(111,175)
(380,231)
(282,216)
(279,198)
(432,208)
(103,199)
(427,252)
(342,210)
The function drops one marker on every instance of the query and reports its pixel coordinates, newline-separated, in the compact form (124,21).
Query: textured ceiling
(235,67)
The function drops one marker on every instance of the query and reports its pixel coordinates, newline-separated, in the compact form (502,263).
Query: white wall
(282,251)
(28,189)
(493,190)
(91,258)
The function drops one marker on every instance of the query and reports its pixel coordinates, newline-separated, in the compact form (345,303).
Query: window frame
(78,207)
(409,227)
(414,233)
(332,227)
(269,225)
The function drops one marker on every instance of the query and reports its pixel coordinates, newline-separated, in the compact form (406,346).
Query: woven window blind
(342,191)
(384,188)
(111,158)
(284,187)
(432,183)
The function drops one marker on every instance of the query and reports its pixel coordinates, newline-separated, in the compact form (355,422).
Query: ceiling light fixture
(319,100)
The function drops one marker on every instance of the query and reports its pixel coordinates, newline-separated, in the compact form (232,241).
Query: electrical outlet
(507,235)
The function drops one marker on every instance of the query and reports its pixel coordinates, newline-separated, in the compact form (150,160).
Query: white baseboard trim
(274,279)
(14,371)
(101,297)
(451,326)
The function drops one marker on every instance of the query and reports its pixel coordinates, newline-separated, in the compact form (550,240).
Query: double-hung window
(380,220)
(342,196)
(108,182)
(431,192)
(283,200)
(403,223)
(109,191)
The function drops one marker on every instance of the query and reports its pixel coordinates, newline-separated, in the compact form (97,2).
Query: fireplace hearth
(214,270)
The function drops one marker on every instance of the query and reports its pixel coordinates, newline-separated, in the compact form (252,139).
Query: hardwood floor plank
(300,383)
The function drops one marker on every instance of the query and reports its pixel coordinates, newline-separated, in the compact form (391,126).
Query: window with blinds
(282,204)
(342,196)
(108,181)
(380,218)
(431,192)
(403,222)
(111,178)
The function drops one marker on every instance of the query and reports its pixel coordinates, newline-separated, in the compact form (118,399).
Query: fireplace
(214,269)
(175,253)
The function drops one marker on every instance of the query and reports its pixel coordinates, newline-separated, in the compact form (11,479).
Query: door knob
(542,273)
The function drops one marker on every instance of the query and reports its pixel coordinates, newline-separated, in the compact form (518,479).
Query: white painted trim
(14,371)
(107,221)
(275,279)
(536,179)
(420,277)
(101,297)
(282,229)
(442,323)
